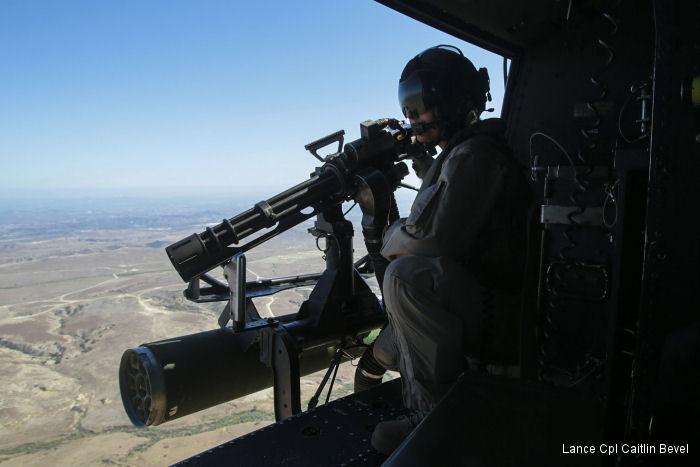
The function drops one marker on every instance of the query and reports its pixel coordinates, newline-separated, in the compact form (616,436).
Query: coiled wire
(558,270)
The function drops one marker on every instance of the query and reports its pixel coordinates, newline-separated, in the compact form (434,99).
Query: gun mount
(164,380)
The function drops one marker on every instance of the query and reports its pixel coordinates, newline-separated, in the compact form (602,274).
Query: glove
(421,164)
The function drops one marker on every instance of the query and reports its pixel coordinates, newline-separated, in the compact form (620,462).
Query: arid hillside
(73,299)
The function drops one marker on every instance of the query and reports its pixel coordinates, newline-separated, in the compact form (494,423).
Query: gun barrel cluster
(199,253)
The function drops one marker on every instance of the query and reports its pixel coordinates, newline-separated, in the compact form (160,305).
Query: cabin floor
(337,433)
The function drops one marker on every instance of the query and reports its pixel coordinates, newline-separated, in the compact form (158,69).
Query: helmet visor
(412,99)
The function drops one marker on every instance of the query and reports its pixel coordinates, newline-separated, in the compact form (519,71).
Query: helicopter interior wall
(669,304)
(570,91)
(576,76)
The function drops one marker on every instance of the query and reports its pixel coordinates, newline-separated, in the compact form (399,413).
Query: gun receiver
(380,147)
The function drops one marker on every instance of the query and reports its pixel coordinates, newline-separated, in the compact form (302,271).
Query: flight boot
(387,436)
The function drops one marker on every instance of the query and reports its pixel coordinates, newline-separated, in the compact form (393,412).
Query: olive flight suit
(451,290)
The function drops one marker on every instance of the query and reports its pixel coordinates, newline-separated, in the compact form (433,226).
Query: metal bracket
(234,272)
(278,350)
(567,172)
(553,214)
(314,146)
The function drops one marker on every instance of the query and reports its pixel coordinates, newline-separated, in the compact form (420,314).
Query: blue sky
(133,97)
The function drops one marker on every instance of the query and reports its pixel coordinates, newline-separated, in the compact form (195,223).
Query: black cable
(350,208)
(330,388)
(335,362)
(551,368)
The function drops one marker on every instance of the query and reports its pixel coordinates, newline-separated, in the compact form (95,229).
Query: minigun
(164,380)
(343,176)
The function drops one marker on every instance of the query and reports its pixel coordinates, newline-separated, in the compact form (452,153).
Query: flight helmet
(443,79)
